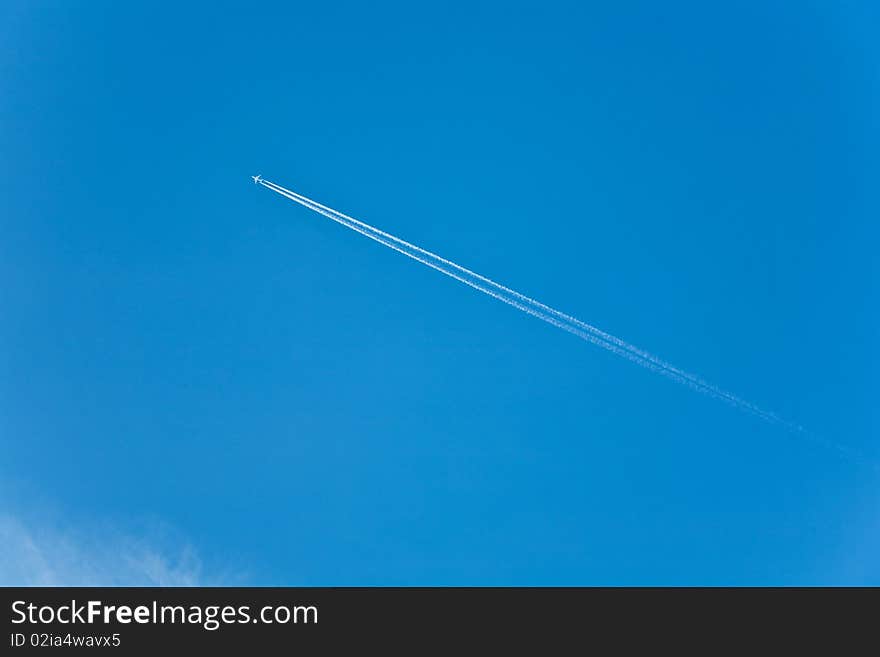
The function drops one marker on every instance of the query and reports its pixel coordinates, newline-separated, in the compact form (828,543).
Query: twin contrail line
(546,313)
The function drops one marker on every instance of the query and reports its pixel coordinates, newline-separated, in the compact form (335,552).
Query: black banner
(147,620)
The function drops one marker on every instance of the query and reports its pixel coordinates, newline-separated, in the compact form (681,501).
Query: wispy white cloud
(36,555)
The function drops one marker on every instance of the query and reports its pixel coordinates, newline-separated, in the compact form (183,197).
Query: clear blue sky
(180,348)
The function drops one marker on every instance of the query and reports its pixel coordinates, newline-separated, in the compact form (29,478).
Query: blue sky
(187,356)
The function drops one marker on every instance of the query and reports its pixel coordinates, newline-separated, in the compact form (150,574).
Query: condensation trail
(548,314)
(345,220)
(524,303)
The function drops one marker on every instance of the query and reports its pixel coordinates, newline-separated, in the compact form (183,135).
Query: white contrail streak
(522,302)
(346,220)
(543,312)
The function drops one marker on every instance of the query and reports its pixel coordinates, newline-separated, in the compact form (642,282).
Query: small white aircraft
(256,179)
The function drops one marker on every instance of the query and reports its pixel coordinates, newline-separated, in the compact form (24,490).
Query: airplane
(256,179)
